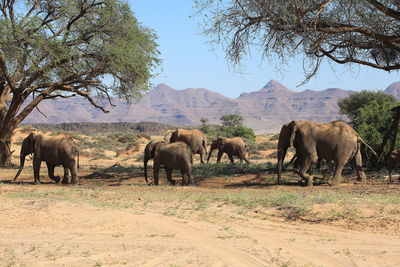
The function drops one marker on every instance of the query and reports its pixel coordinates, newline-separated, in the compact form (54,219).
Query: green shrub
(228,131)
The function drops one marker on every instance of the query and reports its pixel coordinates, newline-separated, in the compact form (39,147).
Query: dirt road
(49,232)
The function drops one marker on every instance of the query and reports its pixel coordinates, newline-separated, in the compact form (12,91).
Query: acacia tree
(365,32)
(63,48)
(231,120)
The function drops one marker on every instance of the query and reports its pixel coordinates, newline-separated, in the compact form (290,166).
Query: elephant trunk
(281,157)
(21,167)
(209,154)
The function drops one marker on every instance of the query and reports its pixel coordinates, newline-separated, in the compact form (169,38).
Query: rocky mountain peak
(275,88)
(161,87)
(274,85)
(393,89)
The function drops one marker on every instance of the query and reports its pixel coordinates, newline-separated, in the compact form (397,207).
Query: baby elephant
(392,160)
(174,156)
(231,146)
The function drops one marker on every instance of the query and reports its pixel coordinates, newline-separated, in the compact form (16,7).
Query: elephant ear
(148,149)
(37,140)
(223,141)
(31,142)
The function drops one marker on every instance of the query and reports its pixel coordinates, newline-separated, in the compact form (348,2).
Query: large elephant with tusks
(335,141)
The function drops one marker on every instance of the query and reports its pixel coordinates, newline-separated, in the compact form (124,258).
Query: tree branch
(384,9)
(4,73)
(352,60)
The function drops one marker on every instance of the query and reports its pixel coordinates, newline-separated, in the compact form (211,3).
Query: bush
(228,131)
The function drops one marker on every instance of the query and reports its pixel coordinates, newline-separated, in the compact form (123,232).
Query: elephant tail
(365,143)
(205,145)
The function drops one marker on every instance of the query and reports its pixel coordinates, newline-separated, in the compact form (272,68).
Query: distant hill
(264,110)
(393,89)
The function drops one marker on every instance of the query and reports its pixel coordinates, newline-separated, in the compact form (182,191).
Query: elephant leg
(169,175)
(337,176)
(189,174)
(358,166)
(50,170)
(201,157)
(183,178)
(156,170)
(36,170)
(66,177)
(305,166)
(219,156)
(190,177)
(73,168)
(231,158)
(245,158)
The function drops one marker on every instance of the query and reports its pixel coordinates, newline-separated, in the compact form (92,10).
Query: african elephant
(231,146)
(335,141)
(195,139)
(56,150)
(175,156)
(392,160)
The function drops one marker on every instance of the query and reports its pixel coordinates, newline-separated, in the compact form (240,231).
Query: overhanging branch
(361,62)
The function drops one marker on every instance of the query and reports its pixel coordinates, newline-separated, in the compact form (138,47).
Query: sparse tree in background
(365,32)
(63,48)
(204,126)
(231,127)
(231,120)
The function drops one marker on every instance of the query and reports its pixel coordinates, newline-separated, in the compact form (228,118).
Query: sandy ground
(45,230)
(51,233)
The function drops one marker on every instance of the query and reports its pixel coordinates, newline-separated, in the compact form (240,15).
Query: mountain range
(264,110)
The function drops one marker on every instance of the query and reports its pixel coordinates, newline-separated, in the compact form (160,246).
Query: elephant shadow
(256,183)
(23,183)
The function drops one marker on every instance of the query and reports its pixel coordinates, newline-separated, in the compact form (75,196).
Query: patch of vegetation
(229,131)
(227,169)
(266,146)
(294,212)
(370,114)
(299,205)
(91,128)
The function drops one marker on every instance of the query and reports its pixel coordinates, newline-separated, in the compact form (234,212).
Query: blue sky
(189,62)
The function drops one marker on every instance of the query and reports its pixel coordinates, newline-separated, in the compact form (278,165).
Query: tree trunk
(5,150)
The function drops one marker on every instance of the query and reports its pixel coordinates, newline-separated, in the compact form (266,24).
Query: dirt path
(48,232)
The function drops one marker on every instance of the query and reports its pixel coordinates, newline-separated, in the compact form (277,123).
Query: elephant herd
(334,141)
(177,154)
